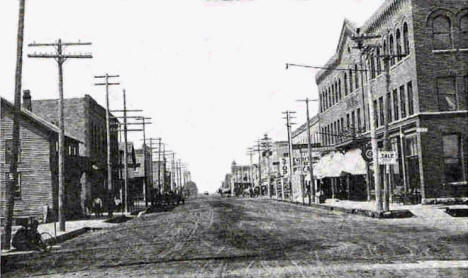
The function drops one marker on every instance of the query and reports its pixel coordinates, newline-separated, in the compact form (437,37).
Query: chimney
(27,100)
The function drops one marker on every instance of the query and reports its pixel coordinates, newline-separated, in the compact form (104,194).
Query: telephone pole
(288,118)
(110,188)
(60,57)
(143,123)
(311,191)
(10,198)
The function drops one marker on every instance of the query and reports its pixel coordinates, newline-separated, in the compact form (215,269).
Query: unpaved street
(214,237)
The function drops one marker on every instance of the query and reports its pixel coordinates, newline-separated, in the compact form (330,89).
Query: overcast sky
(211,74)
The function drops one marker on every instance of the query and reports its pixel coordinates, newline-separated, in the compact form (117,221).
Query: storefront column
(421,168)
(403,161)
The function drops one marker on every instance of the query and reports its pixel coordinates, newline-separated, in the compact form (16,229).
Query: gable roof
(36,119)
(347,28)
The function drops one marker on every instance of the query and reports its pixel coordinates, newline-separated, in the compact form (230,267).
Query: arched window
(356,76)
(333,94)
(345,83)
(441,35)
(337,93)
(379,65)
(406,39)
(385,52)
(351,81)
(339,89)
(398,44)
(391,46)
(464,32)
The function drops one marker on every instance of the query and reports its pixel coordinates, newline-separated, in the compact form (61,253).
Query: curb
(393,214)
(7,258)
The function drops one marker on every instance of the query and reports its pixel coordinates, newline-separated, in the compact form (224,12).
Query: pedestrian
(97,206)
(27,237)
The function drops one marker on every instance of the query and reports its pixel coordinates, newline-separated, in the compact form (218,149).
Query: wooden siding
(35,168)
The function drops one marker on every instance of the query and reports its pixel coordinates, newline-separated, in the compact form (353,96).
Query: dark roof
(38,120)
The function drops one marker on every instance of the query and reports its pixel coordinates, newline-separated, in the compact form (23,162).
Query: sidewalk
(73,228)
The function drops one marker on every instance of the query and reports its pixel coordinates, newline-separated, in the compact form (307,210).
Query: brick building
(425,105)
(38,165)
(85,119)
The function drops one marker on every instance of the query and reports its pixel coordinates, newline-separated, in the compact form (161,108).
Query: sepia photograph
(234,138)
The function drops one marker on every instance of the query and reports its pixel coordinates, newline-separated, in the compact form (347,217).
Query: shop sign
(387,158)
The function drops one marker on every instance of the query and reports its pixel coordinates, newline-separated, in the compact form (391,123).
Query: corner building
(424,105)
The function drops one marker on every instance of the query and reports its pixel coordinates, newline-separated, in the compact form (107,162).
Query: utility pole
(10,184)
(266,145)
(110,188)
(311,191)
(60,58)
(145,179)
(288,125)
(250,153)
(259,150)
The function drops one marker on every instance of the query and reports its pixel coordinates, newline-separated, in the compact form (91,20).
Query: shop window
(441,35)
(412,163)
(453,171)
(396,110)
(446,94)
(464,32)
(409,89)
(406,39)
(402,101)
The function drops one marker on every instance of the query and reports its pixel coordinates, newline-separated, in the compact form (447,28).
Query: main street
(216,237)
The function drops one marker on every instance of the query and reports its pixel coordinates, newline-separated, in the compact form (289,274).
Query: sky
(210,73)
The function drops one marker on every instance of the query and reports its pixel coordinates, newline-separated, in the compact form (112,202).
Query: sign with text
(387,158)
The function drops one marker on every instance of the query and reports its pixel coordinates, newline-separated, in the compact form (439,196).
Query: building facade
(37,185)
(422,102)
(85,119)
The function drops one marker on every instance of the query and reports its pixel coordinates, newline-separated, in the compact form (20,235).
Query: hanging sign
(387,158)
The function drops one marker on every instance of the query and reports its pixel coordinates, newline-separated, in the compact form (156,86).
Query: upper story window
(391,45)
(398,44)
(441,35)
(379,65)
(350,80)
(345,83)
(447,94)
(406,39)
(464,32)
(356,76)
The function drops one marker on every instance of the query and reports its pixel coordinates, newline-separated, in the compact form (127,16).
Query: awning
(336,164)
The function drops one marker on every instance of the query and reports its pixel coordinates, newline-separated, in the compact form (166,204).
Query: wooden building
(38,165)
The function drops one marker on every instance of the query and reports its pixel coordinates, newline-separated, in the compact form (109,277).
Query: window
(356,76)
(9,151)
(391,50)
(446,94)
(398,44)
(359,118)
(345,83)
(347,121)
(17,187)
(396,110)
(379,64)
(353,122)
(409,89)
(389,108)
(464,32)
(406,39)
(339,89)
(376,116)
(453,171)
(402,101)
(441,36)
(381,111)
(350,81)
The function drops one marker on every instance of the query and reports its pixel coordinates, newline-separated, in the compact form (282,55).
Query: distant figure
(27,237)
(97,206)
(118,204)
